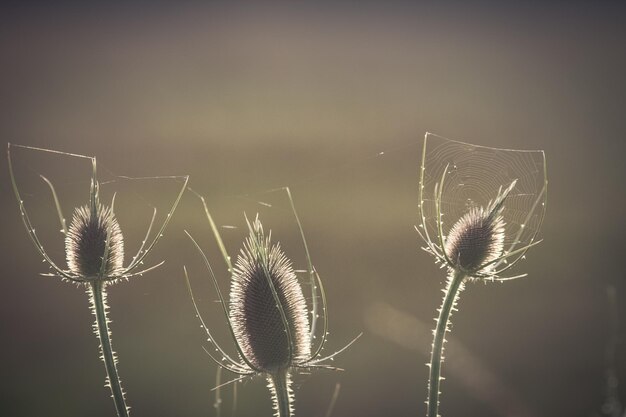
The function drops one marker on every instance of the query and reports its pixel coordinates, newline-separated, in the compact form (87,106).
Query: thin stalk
(333,400)
(281,393)
(218,392)
(455,285)
(234,413)
(98,301)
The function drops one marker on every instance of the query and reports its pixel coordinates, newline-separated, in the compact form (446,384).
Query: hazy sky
(248,98)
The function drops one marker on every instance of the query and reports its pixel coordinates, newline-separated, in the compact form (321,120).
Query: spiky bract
(86,243)
(268,316)
(258,323)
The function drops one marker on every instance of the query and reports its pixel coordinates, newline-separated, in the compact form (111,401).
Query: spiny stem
(455,282)
(98,300)
(281,393)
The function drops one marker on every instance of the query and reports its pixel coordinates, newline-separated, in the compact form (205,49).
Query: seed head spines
(257,319)
(476,239)
(86,243)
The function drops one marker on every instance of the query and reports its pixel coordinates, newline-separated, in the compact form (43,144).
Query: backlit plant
(495,202)
(267,315)
(94,251)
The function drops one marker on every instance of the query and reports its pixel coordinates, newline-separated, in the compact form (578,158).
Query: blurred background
(249,98)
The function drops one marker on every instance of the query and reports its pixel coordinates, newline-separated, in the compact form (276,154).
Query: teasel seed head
(86,241)
(475,239)
(255,308)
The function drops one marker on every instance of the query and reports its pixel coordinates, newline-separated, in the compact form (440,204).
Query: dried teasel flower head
(267,314)
(94,236)
(477,238)
(480,208)
(94,245)
(267,306)
(479,244)
(94,248)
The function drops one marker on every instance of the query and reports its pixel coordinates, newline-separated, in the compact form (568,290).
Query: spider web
(474,175)
(136,198)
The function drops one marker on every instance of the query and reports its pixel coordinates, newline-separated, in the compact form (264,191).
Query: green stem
(455,282)
(218,393)
(98,300)
(280,385)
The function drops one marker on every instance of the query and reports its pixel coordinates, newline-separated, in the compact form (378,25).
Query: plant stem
(281,393)
(98,301)
(455,281)
(218,393)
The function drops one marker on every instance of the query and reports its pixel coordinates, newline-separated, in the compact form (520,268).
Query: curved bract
(483,204)
(94,250)
(480,211)
(267,314)
(477,238)
(92,225)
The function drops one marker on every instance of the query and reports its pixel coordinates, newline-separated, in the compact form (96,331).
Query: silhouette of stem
(281,393)
(455,285)
(98,299)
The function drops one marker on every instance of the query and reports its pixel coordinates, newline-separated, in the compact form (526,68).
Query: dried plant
(267,315)
(484,240)
(94,250)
